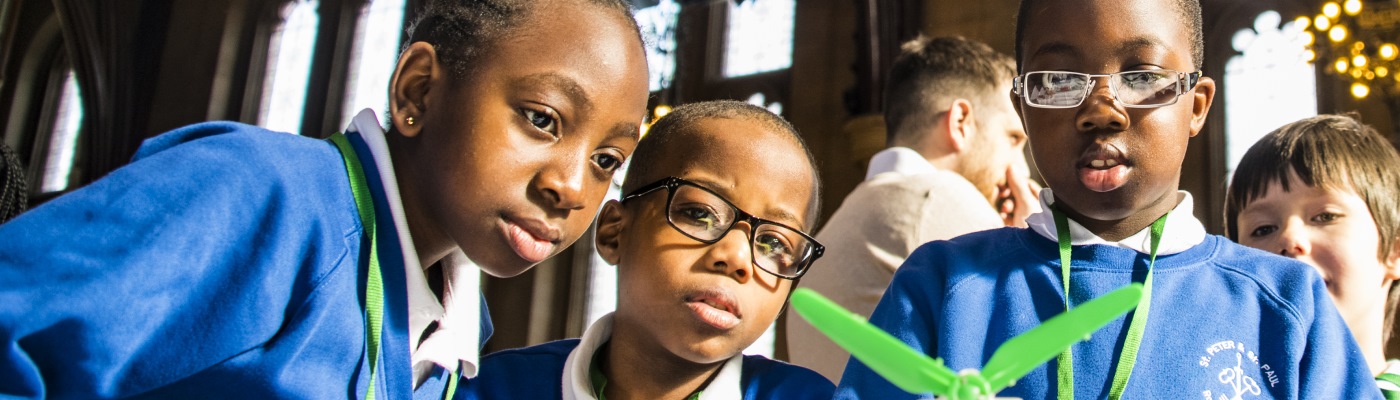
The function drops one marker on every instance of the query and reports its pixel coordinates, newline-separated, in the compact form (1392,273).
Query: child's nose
(563,186)
(730,255)
(1295,243)
(1101,111)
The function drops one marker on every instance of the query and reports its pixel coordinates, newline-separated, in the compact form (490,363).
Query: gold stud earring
(408,121)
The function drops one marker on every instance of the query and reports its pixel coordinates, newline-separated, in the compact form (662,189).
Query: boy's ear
(413,78)
(1202,95)
(608,235)
(957,120)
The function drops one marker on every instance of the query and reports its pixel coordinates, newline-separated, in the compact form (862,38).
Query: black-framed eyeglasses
(1134,89)
(703,215)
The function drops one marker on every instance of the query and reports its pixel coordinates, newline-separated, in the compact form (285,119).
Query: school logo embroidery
(1235,372)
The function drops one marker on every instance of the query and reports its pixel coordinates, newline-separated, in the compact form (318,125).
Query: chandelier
(1359,43)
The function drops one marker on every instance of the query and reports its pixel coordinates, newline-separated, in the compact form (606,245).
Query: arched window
(289,67)
(62,141)
(758,36)
(1270,83)
(658,24)
(376,50)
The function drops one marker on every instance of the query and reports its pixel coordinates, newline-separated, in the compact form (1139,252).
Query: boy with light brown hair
(1323,191)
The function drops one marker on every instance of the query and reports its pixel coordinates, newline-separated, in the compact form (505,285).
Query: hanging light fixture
(1361,38)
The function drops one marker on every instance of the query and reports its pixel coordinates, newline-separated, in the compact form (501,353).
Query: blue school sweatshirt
(1225,321)
(226,261)
(536,373)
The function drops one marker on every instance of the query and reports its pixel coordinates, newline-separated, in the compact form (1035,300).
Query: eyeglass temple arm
(1192,78)
(644,190)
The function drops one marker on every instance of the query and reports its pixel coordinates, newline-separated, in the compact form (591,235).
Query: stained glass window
(288,67)
(758,37)
(374,57)
(658,24)
(1268,84)
(63,138)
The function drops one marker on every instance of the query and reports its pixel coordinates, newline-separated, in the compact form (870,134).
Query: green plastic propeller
(903,366)
(914,372)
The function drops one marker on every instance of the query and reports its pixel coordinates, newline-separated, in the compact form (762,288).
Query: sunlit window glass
(658,24)
(63,138)
(374,58)
(1268,84)
(288,67)
(759,36)
(760,100)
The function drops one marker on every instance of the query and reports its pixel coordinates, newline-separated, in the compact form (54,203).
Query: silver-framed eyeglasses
(1134,89)
(701,214)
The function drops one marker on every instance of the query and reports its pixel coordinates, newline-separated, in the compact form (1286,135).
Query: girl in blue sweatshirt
(227,261)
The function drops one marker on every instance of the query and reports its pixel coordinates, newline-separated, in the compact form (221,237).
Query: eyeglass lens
(1133,88)
(706,217)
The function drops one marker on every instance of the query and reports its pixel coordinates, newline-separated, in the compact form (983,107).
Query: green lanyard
(1128,357)
(374,285)
(1392,379)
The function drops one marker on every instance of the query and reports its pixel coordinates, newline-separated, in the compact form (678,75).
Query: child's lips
(716,308)
(1103,167)
(532,240)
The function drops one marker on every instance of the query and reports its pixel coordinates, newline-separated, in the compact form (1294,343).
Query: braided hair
(14,194)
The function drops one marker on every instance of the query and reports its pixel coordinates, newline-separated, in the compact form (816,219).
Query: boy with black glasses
(1109,96)
(708,240)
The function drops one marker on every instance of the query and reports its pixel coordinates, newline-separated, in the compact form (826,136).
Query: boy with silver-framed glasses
(1110,99)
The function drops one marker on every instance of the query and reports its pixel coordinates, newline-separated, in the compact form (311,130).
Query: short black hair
(14,194)
(932,71)
(1188,11)
(668,137)
(462,30)
(1327,151)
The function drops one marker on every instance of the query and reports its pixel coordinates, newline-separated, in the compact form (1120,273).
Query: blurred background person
(954,157)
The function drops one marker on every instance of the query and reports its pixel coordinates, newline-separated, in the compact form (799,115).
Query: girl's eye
(607,162)
(542,120)
(1325,217)
(1263,231)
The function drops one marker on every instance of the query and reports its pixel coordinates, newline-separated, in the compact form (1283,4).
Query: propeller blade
(1023,353)
(894,360)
